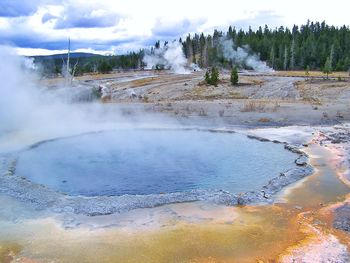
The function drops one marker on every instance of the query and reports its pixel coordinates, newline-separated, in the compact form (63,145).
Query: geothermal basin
(153,161)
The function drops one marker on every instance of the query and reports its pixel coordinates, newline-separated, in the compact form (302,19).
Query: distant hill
(64,56)
(52,65)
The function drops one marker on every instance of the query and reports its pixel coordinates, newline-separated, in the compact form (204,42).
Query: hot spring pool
(144,161)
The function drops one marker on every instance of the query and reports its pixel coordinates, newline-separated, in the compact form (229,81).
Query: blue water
(153,161)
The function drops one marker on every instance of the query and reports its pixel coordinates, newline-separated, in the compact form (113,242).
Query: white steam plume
(25,106)
(29,64)
(241,56)
(170,56)
(31,112)
(18,95)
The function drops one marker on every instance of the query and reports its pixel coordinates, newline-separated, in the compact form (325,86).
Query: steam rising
(31,112)
(18,95)
(29,64)
(23,104)
(170,56)
(240,56)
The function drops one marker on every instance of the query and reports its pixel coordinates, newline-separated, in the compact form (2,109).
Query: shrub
(234,76)
(104,67)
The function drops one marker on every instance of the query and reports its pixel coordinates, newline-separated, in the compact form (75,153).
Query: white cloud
(37,51)
(121,24)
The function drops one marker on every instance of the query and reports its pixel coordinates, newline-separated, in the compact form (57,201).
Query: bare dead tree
(74,71)
(68,58)
(69,74)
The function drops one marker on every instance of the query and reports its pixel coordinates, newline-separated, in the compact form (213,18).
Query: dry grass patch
(260,106)
(264,120)
(302,73)
(97,76)
(315,92)
(312,100)
(251,106)
(141,82)
(206,92)
(236,95)
(106,99)
(255,81)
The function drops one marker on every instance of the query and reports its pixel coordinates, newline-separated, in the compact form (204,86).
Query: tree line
(313,46)
(53,66)
(309,45)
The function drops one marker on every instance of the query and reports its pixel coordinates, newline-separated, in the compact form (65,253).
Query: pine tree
(328,66)
(203,51)
(207,77)
(285,58)
(229,33)
(157,45)
(272,57)
(189,49)
(214,76)
(104,67)
(331,56)
(234,76)
(292,54)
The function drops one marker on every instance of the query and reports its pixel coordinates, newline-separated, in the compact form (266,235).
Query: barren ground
(282,98)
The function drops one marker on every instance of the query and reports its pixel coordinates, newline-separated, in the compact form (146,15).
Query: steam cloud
(240,56)
(18,95)
(170,56)
(31,112)
(27,107)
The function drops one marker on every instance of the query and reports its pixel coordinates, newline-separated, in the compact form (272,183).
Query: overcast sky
(117,26)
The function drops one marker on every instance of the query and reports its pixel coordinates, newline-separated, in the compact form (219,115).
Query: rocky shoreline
(340,137)
(44,198)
